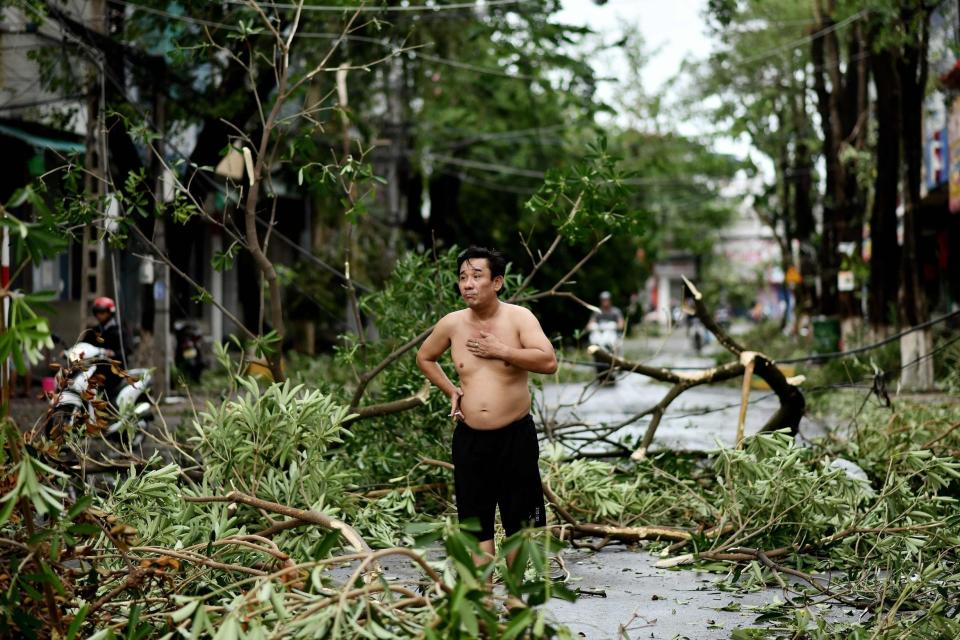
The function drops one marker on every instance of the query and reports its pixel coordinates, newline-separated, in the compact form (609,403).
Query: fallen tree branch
(379,493)
(553,247)
(394,406)
(681,382)
(437,463)
(395,355)
(792,403)
(313,517)
(199,559)
(749,361)
(610,532)
(746,554)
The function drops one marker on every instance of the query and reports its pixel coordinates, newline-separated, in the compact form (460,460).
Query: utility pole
(161,286)
(92,276)
(396,130)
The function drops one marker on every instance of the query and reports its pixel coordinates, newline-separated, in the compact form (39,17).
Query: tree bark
(912,62)
(885,266)
(804,224)
(831,200)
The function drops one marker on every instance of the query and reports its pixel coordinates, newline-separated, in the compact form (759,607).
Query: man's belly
(490,401)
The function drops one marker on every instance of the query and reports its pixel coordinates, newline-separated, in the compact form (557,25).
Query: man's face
(476,284)
(102,316)
(605,304)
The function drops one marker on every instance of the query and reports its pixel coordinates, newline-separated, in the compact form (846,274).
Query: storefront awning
(44,142)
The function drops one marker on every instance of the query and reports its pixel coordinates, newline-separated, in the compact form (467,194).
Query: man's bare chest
(465,361)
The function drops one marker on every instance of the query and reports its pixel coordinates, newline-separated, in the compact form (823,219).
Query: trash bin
(826,334)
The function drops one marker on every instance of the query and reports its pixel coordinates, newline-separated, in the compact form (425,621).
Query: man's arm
(621,323)
(427,356)
(535,353)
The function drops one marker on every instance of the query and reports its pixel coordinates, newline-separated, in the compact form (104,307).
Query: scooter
(606,336)
(189,352)
(77,384)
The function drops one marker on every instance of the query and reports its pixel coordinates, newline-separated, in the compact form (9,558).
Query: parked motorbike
(188,355)
(77,403)
(606,336)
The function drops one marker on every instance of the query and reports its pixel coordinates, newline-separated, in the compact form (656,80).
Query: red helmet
(104,303)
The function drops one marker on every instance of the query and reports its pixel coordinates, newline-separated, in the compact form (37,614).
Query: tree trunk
(917,372)
(885,252)
(804,224)
(833,194)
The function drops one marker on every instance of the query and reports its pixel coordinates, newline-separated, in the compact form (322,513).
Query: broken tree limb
(621,534)
(437,463)
(419,488)
(748,360)
(394,406)
(395,355)
(681,382)
(310,516)
(792,403)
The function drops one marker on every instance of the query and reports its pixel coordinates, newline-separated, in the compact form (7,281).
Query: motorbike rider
(108,335)
(607,313)
(605,316)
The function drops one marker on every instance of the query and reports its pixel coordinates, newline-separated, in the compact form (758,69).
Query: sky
(673,28)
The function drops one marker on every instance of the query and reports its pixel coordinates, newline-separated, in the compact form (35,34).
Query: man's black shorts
(498,467)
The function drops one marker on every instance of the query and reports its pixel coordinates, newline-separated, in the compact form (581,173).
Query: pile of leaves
(273,540)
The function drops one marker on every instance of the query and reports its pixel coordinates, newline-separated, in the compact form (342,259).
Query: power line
(805,40)
(332,36)
(182,18)
(490,186)
(472,67)
(534,173)
(310,256)
(870,347)
(456,6)
(40,103)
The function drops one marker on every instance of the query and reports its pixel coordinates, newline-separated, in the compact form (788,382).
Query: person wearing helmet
(605,329)
(108,335)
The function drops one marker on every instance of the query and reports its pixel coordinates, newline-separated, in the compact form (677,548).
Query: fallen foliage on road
(277,512)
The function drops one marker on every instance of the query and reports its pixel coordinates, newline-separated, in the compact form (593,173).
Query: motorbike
(128,411)
(606,336)
(189,350)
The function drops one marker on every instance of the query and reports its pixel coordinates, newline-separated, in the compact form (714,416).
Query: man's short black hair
(498,264)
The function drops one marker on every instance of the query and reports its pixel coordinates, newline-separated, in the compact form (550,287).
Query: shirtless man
(494,345)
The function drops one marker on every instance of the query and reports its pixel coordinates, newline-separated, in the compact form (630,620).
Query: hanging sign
(845,281)
(953,156)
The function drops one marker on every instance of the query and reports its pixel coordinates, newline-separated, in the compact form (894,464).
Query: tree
(757,85)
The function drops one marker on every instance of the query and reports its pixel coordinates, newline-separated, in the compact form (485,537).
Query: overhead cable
(455,6)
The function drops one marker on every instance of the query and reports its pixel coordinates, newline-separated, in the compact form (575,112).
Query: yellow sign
(793,275)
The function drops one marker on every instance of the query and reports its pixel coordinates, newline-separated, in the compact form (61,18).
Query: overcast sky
(675,31)
(672,28)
